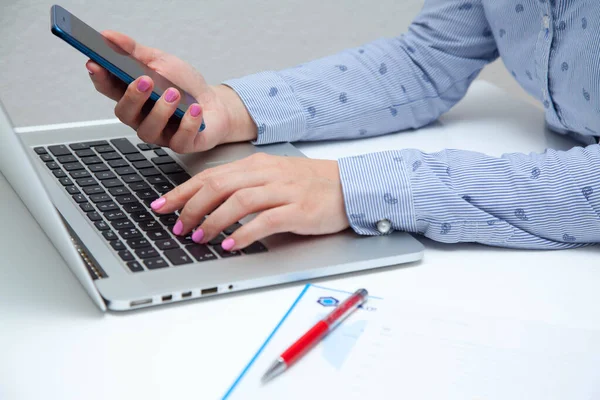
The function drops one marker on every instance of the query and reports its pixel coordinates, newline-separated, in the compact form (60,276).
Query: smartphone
(99,49)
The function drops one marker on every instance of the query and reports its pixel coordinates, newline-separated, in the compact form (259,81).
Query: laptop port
(168,297)
(136,303)
(209,291)
(186,295)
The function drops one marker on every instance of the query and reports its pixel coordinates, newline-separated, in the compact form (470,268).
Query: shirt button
(384,226)
(546,22)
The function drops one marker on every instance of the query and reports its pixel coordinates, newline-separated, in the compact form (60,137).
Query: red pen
(315,334)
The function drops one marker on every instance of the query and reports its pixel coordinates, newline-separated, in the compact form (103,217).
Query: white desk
(55,344)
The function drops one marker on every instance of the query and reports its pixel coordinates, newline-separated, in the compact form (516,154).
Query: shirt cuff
(271,102)
(376,187)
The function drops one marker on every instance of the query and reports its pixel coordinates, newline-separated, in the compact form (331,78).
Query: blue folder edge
(306,287)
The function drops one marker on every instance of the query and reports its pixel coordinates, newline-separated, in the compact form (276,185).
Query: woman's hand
(296,195)
(226,117)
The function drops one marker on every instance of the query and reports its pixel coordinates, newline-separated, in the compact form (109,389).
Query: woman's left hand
(290,194)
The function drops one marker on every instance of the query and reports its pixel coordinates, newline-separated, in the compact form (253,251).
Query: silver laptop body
(109,280)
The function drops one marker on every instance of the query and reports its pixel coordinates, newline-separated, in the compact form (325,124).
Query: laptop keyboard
(113,183)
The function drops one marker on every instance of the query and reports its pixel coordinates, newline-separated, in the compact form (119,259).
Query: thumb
(125,45)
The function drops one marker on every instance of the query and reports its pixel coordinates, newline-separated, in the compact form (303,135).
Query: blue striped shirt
(545,201)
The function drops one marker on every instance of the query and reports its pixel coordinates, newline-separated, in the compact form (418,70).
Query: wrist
(241,125)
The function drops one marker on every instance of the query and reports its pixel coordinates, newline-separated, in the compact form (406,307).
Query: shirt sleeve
(535,201)
(385,86)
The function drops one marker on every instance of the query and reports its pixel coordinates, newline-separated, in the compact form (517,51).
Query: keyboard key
(79,198)
(59,150)
(98,168)
(133,207)
(85,153)
(125,171)
(125,199)
(142,216)
(92,160)
(232,228)
(178,257)
(115,215)
(143,146)
(139,186)
(162,160)
(107,206)
(157,180)
(171,168)
(66,159)
(224,253)
(98,198)
(138,243)
(101,225)
(65,181)
(164,188)
(96,143)
(142,164)
(90,190)
(74,166)
(104,149)
(147,194)
(130,179)
(155,263)
(135,157)
(86,207)
(146,253)
(180,178)
(166,244)
(151,225)
(149,172)
(59,173)
(185,239)
(52,165)
(124,146)
(160,152)
(78,146)
(105,175)
(254,248)
(80,174)
(169,220)
(135,266)
(200,252)
(216,240)
(117,245)
(40,150)
(72,189)
(158,235)
(109,183)
(130,233)
(111,156)
(94,216)
(86,182)
(122,224)
(126,255)
(46,157)
(118,191)
(154,146)
(118,163)
(109,235)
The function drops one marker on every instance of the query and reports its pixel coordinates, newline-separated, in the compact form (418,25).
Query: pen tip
(275,369)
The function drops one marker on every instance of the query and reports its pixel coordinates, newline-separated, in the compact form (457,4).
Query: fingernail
(158,203)
(171,95)
(198,235)
(90,72)
(228,244)
(143,85)
(178,228)
(195,110)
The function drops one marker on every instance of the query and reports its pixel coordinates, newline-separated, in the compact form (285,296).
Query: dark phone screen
(93,40)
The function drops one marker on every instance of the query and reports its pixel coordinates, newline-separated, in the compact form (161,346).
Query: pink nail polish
(198,235)
(228,244)
(158,203)
(195,110)
(171,95)
(143,85)
(178,228)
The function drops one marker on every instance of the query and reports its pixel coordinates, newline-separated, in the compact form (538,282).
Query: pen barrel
(303,344)
(346,308)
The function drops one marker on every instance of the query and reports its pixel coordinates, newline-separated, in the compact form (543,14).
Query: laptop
(90,187)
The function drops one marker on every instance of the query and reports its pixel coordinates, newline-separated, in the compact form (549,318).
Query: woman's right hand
(224,113)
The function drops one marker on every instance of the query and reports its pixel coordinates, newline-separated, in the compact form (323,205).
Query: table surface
(57,345)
